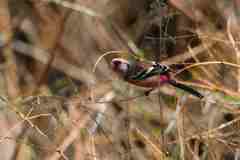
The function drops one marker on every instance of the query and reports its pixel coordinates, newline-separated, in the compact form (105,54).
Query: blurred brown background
(54,106)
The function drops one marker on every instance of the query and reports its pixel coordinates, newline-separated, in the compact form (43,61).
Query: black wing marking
(155,69)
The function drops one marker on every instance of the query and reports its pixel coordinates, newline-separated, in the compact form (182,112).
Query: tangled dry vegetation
(53,106)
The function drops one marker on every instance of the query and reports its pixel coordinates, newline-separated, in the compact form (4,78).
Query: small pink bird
(147,75)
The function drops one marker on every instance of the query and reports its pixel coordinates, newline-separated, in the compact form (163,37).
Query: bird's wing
(149,72)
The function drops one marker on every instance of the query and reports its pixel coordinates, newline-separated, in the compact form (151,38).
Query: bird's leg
(146,93)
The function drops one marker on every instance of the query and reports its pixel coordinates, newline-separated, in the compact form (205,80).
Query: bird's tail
(186,88)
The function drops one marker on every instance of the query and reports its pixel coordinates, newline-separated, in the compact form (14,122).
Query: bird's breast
(151,82)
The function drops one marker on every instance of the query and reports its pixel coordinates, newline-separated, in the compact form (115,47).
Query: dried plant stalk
(11,78)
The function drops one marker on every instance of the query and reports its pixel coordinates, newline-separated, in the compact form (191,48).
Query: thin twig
(154,146)
(74,133)
(180,125)
(76,7)
(235,47)
(207,63)
(187,55)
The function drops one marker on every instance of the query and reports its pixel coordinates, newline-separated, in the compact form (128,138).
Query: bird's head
(120,65)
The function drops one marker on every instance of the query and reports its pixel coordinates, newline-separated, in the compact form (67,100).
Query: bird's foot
(146,93)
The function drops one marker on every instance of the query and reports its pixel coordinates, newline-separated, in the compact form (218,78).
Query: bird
(148,75)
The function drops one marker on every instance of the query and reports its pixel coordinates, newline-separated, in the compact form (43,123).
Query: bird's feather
(142,73)
(186,88)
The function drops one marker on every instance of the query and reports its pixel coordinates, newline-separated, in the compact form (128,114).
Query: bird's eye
(117,62)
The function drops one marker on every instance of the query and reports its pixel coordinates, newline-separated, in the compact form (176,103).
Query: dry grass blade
(208,63)
(11,76)
(42,56)
(103,55)
(75,131)
(76,7)
(233,42)
(156,149)
(188,55)
(210,134)
(180,125)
